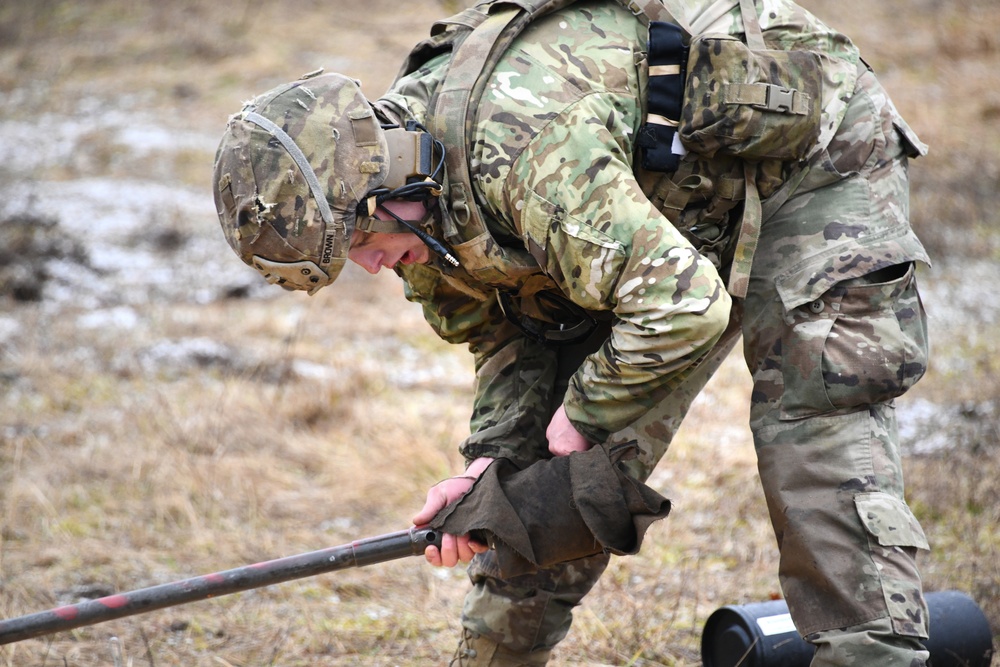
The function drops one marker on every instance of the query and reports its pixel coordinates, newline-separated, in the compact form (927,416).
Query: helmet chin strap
(431,242)
(427,189)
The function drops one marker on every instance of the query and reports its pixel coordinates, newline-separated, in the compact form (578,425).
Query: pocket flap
(809,279)
(889,520)
(911,142)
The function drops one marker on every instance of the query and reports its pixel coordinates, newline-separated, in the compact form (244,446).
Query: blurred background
(163,413)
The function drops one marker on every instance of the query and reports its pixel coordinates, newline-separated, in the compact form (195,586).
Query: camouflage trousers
(833,330)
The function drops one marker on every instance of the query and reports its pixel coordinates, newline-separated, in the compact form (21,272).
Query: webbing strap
(751,26)
(654,10)
(672,194)
(754,215)
(469,19)
(450,120)
(749,234)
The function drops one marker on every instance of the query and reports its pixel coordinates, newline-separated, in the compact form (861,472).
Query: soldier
(600,275)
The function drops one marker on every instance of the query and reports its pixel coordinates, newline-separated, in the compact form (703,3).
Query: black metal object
(379,549)
(762,635)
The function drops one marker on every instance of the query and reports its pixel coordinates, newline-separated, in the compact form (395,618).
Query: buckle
(779,99)
(634,7)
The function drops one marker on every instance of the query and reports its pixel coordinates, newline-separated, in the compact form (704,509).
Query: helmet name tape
(329,242)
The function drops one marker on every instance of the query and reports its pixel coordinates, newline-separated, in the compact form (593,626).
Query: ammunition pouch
(750,103)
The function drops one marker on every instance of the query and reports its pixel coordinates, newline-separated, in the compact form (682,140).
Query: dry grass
(134,456)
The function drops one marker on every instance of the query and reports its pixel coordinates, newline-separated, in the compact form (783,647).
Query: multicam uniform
(832,325)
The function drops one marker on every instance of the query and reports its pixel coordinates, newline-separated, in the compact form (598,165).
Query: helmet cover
(289,173)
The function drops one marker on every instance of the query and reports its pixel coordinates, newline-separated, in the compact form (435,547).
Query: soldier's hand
(454,548)
(563,437)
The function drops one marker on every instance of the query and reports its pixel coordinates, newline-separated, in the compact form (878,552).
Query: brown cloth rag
(556,510)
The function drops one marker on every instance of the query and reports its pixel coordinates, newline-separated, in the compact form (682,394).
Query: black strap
(549,333)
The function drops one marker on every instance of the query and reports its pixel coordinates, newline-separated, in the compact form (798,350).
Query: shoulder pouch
(753,103)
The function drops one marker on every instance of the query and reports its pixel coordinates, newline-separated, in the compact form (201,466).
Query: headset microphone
(428,240)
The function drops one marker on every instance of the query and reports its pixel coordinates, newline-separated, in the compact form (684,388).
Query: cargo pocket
(894,536)
(862,342)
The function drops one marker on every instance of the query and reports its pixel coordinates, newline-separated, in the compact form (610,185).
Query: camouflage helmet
(290,171)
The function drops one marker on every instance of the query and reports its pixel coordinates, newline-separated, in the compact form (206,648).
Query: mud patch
(94,214)
(103,242)
(30,248)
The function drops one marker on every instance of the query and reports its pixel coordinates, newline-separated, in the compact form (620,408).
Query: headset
(416,169)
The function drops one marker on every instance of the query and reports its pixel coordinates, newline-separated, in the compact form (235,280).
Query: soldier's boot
(475,650)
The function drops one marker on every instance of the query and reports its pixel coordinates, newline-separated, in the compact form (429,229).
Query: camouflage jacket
(553,164)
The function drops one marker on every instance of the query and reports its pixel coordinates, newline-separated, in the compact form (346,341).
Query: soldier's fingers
(433,556)
(436,499)
(449,550)
(465,552)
